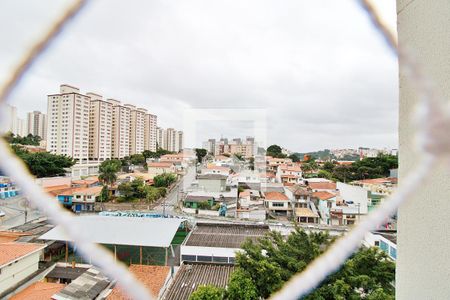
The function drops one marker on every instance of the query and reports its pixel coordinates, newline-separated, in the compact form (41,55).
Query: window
(278,204)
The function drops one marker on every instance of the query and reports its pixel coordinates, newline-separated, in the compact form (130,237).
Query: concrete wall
(17,271)
(423,266)
(354,193)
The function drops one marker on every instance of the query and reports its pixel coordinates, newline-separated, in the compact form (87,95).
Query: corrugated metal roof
(148,232)
(192,275)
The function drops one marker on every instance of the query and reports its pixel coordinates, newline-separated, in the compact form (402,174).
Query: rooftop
(153,277)
(87,286)
(322,185)
(191,275)
(224,235)
(12,251)
(323,195)
(39,291)
(305,212)
(212,176)
(276,196)
(116,230)
(160,165)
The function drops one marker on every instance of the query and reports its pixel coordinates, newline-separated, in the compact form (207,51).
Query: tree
(44,164)
(108,171)
(241,287)
(325,174)
(164,180)
(294,158)
(274,149)
(273,260)
(137,159)
(200,154)
(207,292)
(104,194)
(126,191)
(30,139)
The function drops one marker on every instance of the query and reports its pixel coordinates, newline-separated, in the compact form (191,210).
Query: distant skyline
(319,68)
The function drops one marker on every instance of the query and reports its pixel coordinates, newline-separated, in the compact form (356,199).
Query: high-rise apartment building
(100,128)
(178,141)
(68,123)
(150,132)
(120,135)
(37,124)
(160,138)
(137,129)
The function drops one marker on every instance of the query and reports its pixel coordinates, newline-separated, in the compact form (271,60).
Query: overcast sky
(318,67)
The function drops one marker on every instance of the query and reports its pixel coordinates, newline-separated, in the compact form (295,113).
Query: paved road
(171,199)
(14,208)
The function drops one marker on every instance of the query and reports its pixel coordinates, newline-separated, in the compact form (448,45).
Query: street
(168,205)
(14,209)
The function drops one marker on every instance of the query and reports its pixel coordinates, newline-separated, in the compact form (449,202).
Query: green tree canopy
(44,164)
(200,153)
(164,180)
(207,292)
(108,171)
(30,139)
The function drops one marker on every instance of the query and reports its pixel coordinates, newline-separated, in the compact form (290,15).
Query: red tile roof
(275,196)
(9,252)
(160,165)
(323,195)
(39,291)
(153,277)
(379,180)
(322,185)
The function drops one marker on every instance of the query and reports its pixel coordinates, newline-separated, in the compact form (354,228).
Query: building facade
(68,123)
(121,123)
(150,132)
(37,124)
(100,128)
(137,129)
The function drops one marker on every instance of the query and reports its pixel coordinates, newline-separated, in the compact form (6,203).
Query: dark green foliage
(241,287)
(266,265)
(44,164)
(104,195)
(137,159)
(164,180)
(26,140)
(207,292)
(200,153)
(275,151)
(367,168)
(138,190)
(294,157)
(108,171)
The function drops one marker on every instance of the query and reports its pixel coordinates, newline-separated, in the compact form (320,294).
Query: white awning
(148,232)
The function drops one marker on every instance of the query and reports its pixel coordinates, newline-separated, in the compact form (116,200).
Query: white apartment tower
(160,138)
(37,124)
(150,135)
(179,141)
(100,128)
(137,129)
(68,123)
(120,135)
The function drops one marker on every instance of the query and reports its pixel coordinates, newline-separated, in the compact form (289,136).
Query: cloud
(319,67)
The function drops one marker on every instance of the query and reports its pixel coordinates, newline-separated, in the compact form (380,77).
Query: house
(321,186)
(304,209)
(78,199)
(153,278)
(386,240)
(7,188)
(305,215)
(324,202)
(213,169)
(89,285)
(289,174)
(158,168)
(277,204)
(218,242)
(212,182)
(18,261)
(39,290)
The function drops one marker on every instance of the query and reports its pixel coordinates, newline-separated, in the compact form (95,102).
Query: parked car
(2,213)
